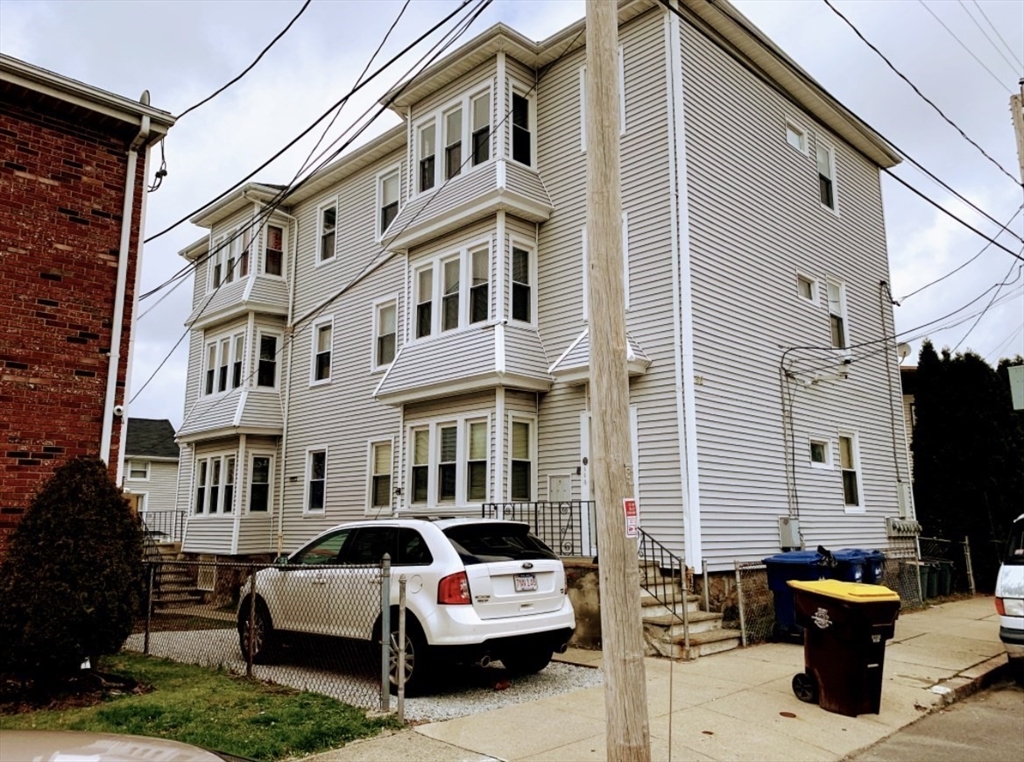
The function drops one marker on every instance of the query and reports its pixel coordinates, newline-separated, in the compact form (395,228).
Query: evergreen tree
(70,585)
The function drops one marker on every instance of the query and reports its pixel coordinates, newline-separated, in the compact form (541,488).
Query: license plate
(525,582)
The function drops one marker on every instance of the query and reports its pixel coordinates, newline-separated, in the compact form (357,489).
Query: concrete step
(701,644)
(167,597)
(698,621)
(651,606)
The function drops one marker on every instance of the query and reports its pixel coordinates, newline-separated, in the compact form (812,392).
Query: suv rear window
(488,543)
(1015,544)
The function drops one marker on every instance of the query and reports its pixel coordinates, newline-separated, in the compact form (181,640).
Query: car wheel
(263,638)
(417,660)
(805,687)
(527,661)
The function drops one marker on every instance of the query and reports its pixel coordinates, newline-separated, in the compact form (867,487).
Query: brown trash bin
(846,625)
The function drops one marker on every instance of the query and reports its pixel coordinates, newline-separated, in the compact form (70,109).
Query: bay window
(461,284)
(449,463)
(460,131)
(214,484)
(223,363)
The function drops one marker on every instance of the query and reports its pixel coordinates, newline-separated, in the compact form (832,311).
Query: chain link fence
(751,607)
(314,627)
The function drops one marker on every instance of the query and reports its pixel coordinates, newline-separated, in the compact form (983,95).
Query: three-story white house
(407,333)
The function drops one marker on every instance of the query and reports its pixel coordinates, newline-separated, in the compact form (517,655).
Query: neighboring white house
(408,334)
(151,470)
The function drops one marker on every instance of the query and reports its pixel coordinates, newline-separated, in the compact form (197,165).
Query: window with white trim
(522,126)
(426,155)
(522,278)
(261,469)
(221,264)
(327,224)
(450,462)
(452,121)
(244,245)
(273,252)
(385,333)
(820,453)
(807,288)
(796,136)
(138,469)
(388,197)
(316,480)
(323,333)
(521,465)
(215,484)
(380,474)
(266,372)
(458,133)
(480,107)
(460,283)
(849,465)
(223,370)
(826,175)
(837,314)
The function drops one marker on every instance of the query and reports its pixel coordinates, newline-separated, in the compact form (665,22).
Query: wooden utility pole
(625,694)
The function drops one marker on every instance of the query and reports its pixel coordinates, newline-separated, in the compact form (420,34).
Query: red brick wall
(62,177)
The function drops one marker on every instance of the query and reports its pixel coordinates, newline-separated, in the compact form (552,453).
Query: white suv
(1010,598)
(477,589)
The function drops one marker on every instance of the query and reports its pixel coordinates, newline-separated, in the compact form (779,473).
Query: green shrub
(70,585)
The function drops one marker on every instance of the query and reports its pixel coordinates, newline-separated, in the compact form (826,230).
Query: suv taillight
(454,590)
(1000,608)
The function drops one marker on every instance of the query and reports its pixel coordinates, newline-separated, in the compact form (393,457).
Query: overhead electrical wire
(966,48)
(993,356)
(999,34)
(921,95)
(989,305)
(250,67)
(1014,69)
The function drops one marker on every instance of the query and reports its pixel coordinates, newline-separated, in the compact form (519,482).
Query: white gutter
(290,338)
(110,409)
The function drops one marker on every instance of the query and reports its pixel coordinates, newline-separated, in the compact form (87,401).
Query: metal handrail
(660,569)
(163,526)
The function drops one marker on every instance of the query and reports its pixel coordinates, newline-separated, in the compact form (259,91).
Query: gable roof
(151,437)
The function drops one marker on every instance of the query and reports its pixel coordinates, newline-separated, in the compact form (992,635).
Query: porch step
(699,621)
(701,644)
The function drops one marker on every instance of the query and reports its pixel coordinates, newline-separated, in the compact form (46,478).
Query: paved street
(986,727)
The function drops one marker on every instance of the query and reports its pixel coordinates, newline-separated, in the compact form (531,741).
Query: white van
(1010,598)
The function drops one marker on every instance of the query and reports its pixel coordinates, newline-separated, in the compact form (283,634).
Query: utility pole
(1017,110)
(625,694)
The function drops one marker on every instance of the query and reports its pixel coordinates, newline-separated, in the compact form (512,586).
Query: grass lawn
(212,709)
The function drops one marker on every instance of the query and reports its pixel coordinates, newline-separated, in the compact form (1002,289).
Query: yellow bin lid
(854,592)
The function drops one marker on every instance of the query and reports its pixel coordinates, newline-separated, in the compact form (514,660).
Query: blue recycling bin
(859,565)
(874,567)
(804,565)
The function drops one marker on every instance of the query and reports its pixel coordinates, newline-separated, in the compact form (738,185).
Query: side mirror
(281,561)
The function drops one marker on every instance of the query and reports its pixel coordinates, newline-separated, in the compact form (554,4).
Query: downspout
(290,338)
(110,410)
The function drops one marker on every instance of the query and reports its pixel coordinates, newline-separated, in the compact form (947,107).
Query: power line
(1004,344)
(921,95)
(962,266)
(249,68)
(989,305)
(981,29)
(964,46)
(999,35)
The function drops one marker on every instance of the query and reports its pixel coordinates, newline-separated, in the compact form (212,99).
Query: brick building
(72,198)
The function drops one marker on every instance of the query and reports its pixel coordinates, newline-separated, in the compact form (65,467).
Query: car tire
(418,666)
(527,661)
(264,638)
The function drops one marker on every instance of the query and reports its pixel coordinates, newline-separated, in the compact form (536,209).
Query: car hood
(77,746)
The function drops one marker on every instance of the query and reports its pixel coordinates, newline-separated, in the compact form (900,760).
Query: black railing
(163,526)
(569,527)
(663,575)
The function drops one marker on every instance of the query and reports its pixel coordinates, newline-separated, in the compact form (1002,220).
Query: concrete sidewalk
(736,705)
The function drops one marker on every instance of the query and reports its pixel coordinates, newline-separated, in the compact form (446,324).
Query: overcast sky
(182,51)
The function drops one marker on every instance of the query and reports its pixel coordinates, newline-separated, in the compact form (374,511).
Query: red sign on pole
(632,518)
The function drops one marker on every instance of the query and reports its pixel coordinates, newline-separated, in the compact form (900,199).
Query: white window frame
(433,427)
(308,482)
(146,467)
(218,257)
(531,420)
(378,306)
(314,351)
(464,255)
(815,298)
(270,483)
(211,508)
(436,118)
(843,314)
(858,469)
(827,464)
(828,147)
(371,451)
(531,249)
(216,341)
(792,127)
(518,88)
(320,259)
(260,333)
(395,170)
(265,240)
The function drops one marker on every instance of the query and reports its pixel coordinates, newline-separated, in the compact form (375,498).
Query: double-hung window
(380,474)
(449,463)
(837,314)
(453,143)
(522,293)
(849,465)
(420,465)
(522,462)
(522,134)
(389,192)
(216,259)
(826,175)
(424,302)
(202,479)
(460,132)
(481,137)
(223,363)
(476,463)
(460,283)
(215,484)
(245,242)
(807,288)
(138,469)
(427,145)
(385,333)
(260,470)
(236,361)
(316,480)
(322,342)
(266,373)
(273,254)
(479,289)
(450,297)
(328,223)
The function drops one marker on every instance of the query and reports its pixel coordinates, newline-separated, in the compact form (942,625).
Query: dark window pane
(222,380)
(825,189)
(520,111)
(423,320)
(209,381)
(216,275)
(426,173)
(419,484)
(446,481)
(385,349)
(450,313)
(229,497)
(487,543)
(478,305)
(521,480)
(323,366)
(381,491)
(327,246)
(850,496)
(267,373)
(481,145)
(520,302)
(236,375)
(521,145)
(412,549)
(453,160)
(316,496)
(200,500)
(243,264)
(370,544)
(387,215)
(477,486)
(258,495)
(214,494)
(838,332)
(273,263)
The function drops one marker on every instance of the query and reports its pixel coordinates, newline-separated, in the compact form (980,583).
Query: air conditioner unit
(207,578)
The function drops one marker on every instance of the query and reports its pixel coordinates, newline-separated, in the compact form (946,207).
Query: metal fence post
(401,651)
(385,633)
(686,608)
(149,608)
(707,591)
(969,565)
(739,603)
(252,621)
